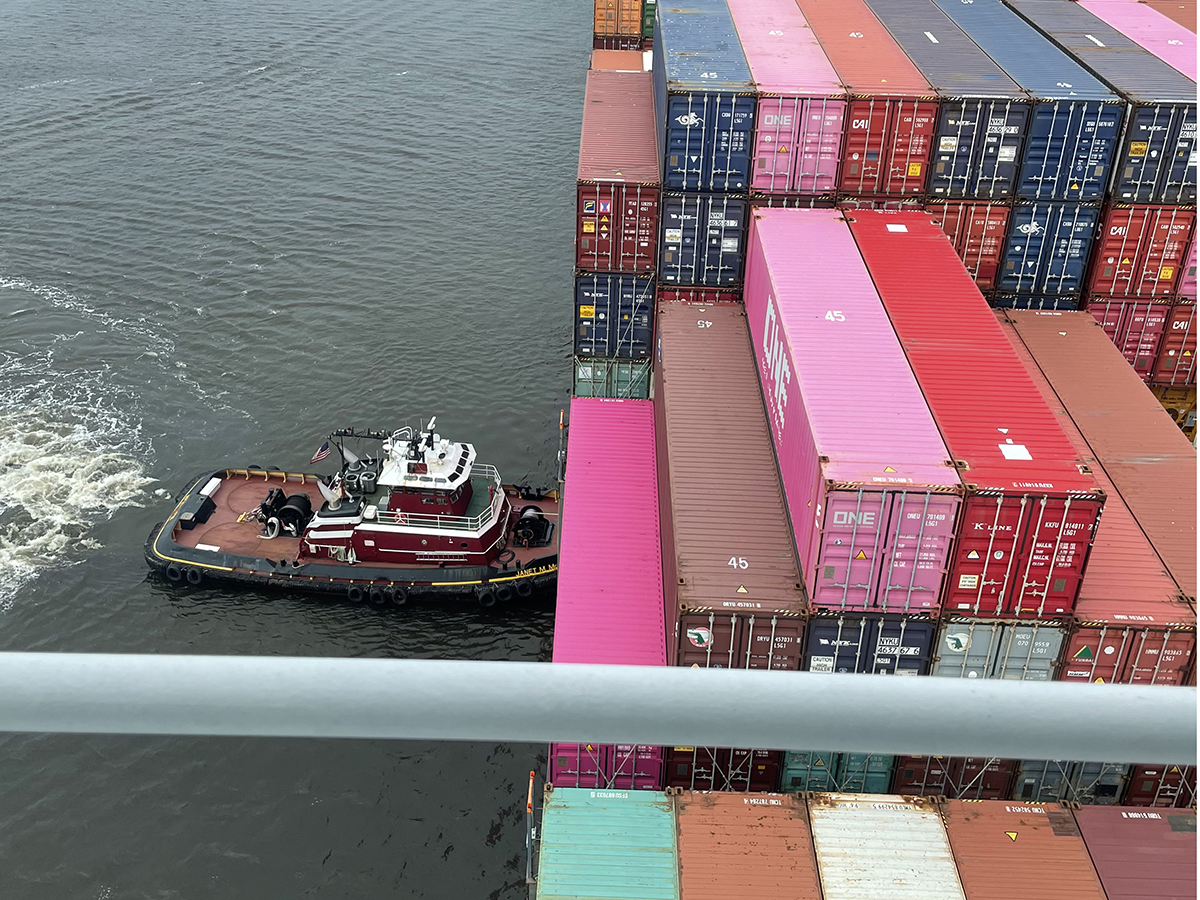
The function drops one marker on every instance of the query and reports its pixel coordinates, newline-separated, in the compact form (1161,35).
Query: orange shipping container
(619,17)
(1005,850)
(745,845)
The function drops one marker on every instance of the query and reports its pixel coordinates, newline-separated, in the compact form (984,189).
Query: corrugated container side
(866,773)
(649,8)
(732,549)
(704,99)
(618,17)
(1140,251)
(1181,11)
(1180,404)
(1169,41)
(622,42)
(730,844)
(617,227)
(1136,328)
(874,509)
(703,236)
(959,777)
(698,295)
(1163,787)
(617,844)
(878,644)
(1030,513)
(984,114)
(1020,651)
(809,770)
(1176,363)
(1139,854)
(893,112)
(1157,159)
(882,845)
(623,61)
(580,765)
(1187,283)
(1149,462)
(977,231)
(723,769)
(614,316)
(1047,250)
(1075,121)
(612,379)
(1004,850)
(1053,780)
(802,105)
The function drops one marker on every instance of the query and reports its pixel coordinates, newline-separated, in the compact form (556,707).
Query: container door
(985,559)
(1158,162)
(866,136)
(865,773)
(1158,657)
(975,155)
(851,546)
(703,237)
(1161,786)
(595,248)
(916,552)
(840,644)
(614,316)
(924,776)
(580,765)
(902,646)
(1029,652)
(1142,332)
(1176,362)
(637,767)
(1054,553)
(967,649)
(636,225)
(819,145)
(979,778)
(775,146)
(708,142)
(1069,151)
(771,643)
(710,641)
(911,142)
(1100,784)
(1180,186)
(977,231)
(1096,653)
(1040,780)
(808,770)
(1140,251)
(1048,247)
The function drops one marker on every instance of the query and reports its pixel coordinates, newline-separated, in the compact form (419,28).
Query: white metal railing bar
(457,523)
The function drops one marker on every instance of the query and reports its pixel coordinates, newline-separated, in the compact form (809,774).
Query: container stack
(619,24)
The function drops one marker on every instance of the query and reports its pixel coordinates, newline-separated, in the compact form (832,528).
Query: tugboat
(420,520)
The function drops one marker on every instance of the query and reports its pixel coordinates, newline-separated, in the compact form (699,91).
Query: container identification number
(835,315)
(738,562)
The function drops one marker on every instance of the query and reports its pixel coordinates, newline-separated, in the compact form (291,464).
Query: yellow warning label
(1012,835)
(604,218)
(914,169)
(741,589)
(1187,352)
(1074,187)
(974,554)
(888,469)
(587,312)
(860,555)
(589,227)
(1139,148)
(782,148)
(1166,272)
(1098,681)
(1126,261)
(588,746)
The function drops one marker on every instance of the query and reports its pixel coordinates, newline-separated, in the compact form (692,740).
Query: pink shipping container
(871,489)
(1187,282)
(801,104)
(609,613)
(1169,41)
(1136,327)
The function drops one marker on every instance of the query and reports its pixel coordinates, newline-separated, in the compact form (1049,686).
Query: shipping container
(1180,404)
(1047,249)
(723,640)
(1020,651)
(617,195)
(1176,363)
(865,773)
(727,545)
(1005,851)
(723,769)
(874,508)
(1187,282)
(648,9)
(1157,159)
(1140,854)
(614,316)
(977,231)
(1006,300)
(622,17)
(1181,11)
(704,98)
(703,236)
(624,42)
(1140,251)
(879,644)
(1053,780)
(1076,120)
(1161,786)
(1030,511)
(879,203)
(801,103)
(618,844)
(1151,464)
(637,766)
(809,770)
(984,114)
(612,379)
(960,777)
(893,110)
(876,846)
(1135,327)
(624,61)
(610,451)
(1169,41)
(852,773)
(733,843)
(793,201)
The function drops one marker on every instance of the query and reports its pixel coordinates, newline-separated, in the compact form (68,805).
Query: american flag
(321,453)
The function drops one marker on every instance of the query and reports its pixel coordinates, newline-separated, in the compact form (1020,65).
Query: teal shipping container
(612,379)
(865,773)
(851,773)
(615,845)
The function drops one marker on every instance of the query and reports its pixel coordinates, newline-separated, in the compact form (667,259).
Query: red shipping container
(616,217)
(956,777)
(1162,786)
(1140,854)
(698,295)
(977,231)
(619,60)
(1031,509)
(1176,363)
(1140,251)
(723,641)
(892,116)
(723,769)
(1187,284)
(1136,327)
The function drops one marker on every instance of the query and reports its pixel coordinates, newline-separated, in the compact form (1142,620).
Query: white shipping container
(882,847)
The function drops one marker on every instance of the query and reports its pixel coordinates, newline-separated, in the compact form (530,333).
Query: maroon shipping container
(1176,363)
(1140,251)
(892,115)
(724,641)
(977,231)
(580,765)
(956,777)
(617,42)
(616,217)
(709,769)
(1161,786)
(726,541)
(1141,854)
(698,295)
(789,201)
(1136,327)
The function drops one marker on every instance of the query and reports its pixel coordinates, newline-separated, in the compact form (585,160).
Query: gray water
(226,228)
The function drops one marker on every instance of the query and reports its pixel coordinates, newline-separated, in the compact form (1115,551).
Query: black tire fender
(524,588)
(504,593)
(378,596)
(354,594)
(399,595)
(486,596)
(194,577)
(174,573)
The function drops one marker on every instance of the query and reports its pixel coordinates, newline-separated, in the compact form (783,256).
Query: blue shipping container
(704,99)
(863,773)
(1047,249)
(1034,301)
(703,239)
(984,114)
(611,844)
(1156,162)
(885,644)
(614,316)
(1076,120)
